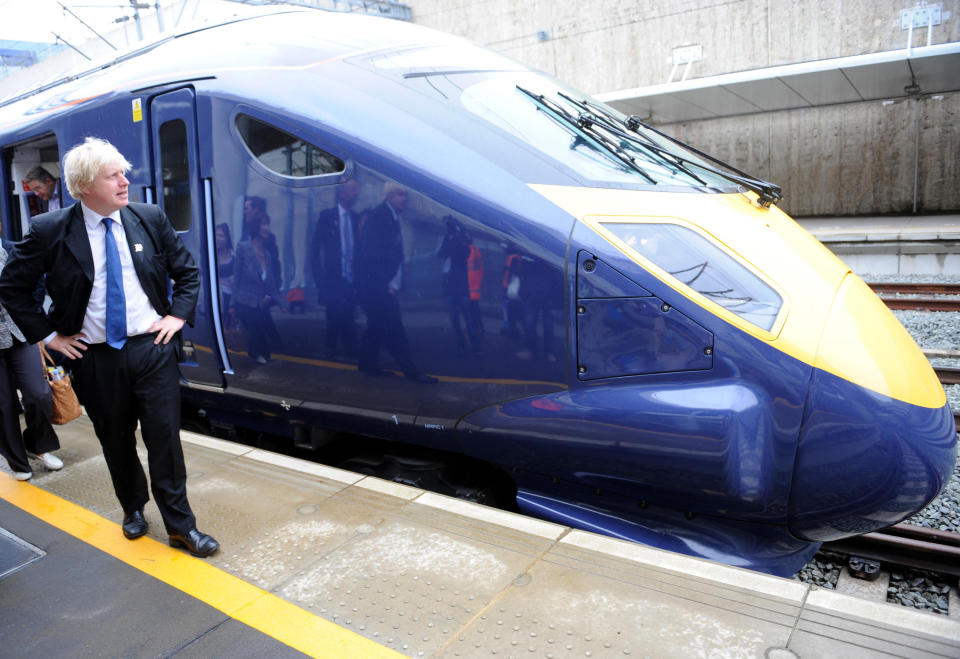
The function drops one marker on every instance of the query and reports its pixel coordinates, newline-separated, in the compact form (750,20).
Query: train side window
(698,263)
(174,160)
(284,153)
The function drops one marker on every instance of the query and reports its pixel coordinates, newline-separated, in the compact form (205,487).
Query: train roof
(294,40)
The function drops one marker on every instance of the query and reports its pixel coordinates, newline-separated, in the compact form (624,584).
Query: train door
(182,196)
(39,158)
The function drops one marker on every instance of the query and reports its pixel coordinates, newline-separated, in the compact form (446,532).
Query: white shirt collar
(93,219)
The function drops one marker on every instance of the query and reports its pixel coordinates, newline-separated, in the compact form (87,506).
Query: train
(470,277)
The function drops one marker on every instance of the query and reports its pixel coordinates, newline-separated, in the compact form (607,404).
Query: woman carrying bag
(20,368)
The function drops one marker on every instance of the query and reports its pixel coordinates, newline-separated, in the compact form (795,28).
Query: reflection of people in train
(256,279)
(379,279)
(225,269)
(460,282)
(512,308)
(255,208)
(334,268)
(45,187)
(536,298)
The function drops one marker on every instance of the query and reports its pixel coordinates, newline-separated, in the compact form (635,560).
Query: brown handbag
(66,407)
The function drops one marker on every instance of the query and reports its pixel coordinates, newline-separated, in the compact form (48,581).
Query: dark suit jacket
(379,252)
(57,245)
(328,253)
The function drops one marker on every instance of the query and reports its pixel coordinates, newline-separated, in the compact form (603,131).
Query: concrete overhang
(933,69)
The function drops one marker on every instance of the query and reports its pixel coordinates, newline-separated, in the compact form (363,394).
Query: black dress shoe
(198,544)
(134,525)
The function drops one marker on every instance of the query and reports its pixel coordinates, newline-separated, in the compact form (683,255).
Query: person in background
(460,283)
(20,369)
(379,281)
(334,268)
(225,269)
(47,188)
(256,277)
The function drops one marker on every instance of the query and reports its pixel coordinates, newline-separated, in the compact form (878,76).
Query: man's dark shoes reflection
(423,378)
(198,544)
(134,525)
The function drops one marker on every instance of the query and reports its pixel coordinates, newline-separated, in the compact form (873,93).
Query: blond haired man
(108,263)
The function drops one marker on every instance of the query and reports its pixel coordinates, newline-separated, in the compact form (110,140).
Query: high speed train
(472,278)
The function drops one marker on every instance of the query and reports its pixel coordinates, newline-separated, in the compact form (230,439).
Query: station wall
(851,159)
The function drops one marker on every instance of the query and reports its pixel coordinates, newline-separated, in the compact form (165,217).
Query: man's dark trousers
(118,387)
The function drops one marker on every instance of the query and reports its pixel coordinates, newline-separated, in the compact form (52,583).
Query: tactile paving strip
(273,524)
(84,478)
(406,585)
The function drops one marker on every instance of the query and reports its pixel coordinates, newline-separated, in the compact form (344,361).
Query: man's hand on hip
(165,328)
(71,346)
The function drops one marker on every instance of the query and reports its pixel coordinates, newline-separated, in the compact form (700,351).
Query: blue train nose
(878,440)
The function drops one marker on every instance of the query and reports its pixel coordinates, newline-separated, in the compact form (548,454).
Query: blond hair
(83,163)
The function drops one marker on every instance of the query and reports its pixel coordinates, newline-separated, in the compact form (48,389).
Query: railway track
(906,545)
(947,374)
(915,289)
(887,289)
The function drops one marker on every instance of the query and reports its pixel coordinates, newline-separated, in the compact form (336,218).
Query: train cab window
(702,265)
(174,159)
(283,153)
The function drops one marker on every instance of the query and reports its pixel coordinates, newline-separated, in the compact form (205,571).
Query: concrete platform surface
(896,228)
(339,564)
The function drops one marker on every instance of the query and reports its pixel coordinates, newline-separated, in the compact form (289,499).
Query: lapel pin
(137,247)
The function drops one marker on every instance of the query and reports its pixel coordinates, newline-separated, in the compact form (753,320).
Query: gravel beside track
(912,279)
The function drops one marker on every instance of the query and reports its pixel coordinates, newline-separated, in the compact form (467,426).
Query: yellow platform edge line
(238,599)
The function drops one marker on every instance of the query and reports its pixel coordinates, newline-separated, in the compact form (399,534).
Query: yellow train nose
(864,343)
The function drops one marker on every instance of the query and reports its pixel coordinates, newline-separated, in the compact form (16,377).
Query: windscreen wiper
(768,193)
(610,124)
(602,142)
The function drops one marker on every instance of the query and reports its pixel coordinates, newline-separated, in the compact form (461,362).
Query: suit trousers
(341,301)
(20,368)
(384,328)
(118,388)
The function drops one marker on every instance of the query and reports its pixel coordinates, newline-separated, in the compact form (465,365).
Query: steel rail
(906,545)
(915,288)
(923,304)
(948,374)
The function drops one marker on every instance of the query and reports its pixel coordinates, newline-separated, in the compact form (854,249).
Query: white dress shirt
(53,203)
(140,313)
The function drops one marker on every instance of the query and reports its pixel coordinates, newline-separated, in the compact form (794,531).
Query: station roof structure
(21,54)
(875,76)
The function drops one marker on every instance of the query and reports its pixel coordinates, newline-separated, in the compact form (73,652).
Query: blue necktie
(116,302)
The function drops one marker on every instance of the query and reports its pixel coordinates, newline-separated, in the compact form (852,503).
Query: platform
(330,563)
(924,245)
(884,228)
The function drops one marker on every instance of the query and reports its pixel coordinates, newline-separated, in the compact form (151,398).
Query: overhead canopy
(933,69)
(24,53)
